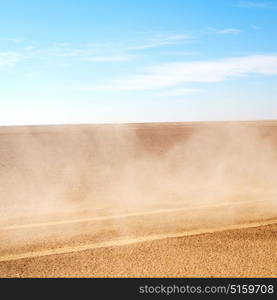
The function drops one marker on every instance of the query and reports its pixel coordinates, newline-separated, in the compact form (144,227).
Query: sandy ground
(151,200)
(234,253)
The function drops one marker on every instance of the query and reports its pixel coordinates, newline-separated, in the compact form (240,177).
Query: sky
(129,61)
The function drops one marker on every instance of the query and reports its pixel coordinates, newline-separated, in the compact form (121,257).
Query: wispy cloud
(73,52)
(183,53)
(111,58)
(10,58)
(115,51)
(17,40)
(228,31)
(178,73)
(94,55)
(257,4)
(254,27)
(177,92)
(105,51)
(159,41)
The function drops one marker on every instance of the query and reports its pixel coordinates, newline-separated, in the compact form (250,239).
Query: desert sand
(151,200)
(235,253)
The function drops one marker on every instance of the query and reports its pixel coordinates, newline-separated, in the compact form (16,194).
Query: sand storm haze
(64,187)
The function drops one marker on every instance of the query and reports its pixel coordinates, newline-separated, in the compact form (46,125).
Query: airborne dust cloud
(75,171)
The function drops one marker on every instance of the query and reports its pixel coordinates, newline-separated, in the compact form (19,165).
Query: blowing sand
(176,199)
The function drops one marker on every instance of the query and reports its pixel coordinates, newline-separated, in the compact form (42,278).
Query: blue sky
(86,61)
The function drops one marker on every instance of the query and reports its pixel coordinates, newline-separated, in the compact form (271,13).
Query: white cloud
(62,44)
(106,51)
(176,37)
(255,27)
(29,48)
(173,74)
(177,92)
(257,4)
(228,31)
(111,58)
(183,53)
(76,52)
(17,40)
(10,58)
(159,41)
